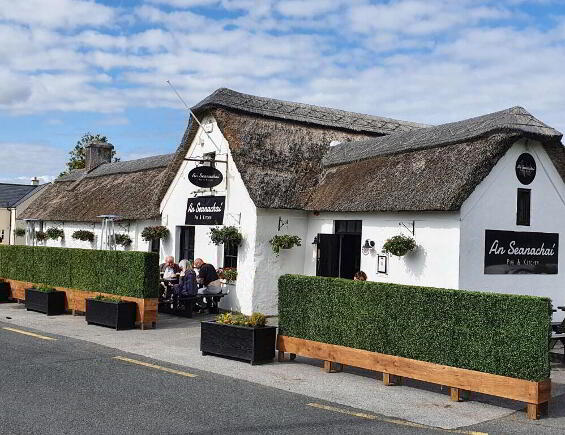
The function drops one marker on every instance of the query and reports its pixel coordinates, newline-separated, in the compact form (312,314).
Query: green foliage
(55,233)
(488,332)
(84,235)
(154,233)
(399,245)
(111,299)
(123,240)
(219,236)
(78,153)
(44,288)
(41,236)
(20,232)
(123,273)
(285,241)
(256,320)
(229,274)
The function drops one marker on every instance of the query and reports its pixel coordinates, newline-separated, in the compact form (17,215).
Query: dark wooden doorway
(186,251)
(339,254)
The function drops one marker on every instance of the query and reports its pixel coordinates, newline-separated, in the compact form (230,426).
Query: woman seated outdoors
(187,281)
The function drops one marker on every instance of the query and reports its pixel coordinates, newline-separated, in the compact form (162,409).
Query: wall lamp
(316,240)
(369,244)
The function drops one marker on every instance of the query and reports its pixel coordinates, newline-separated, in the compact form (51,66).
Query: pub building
(484,198)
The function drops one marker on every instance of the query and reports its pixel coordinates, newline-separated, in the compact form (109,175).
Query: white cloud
(21,162)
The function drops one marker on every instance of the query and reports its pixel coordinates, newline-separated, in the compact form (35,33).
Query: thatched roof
(126,189)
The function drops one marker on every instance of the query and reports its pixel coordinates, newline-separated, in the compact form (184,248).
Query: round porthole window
(525,168)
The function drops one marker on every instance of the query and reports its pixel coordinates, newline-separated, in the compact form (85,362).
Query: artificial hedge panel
(488,332)
(123,273)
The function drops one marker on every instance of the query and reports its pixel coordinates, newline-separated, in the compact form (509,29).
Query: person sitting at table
(169,269)
(187,281)
(207,278)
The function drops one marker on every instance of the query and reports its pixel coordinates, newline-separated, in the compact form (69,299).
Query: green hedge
(488,332)
(123,273)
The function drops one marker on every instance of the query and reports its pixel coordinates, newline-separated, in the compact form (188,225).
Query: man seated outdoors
(169,269)
(207,278)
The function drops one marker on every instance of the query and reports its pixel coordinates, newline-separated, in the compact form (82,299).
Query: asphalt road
(67,386)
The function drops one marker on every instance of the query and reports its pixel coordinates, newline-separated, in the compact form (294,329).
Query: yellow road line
(154,366)
(31,334)
(390,420)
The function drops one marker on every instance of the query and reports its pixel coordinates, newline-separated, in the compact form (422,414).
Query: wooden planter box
(117,315)
(52,303)
(241,342)
(535,394)
(5,292)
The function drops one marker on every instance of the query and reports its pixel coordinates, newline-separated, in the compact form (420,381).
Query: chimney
(35,181)
(98,153)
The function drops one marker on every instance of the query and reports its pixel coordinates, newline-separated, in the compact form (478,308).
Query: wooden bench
(556,338)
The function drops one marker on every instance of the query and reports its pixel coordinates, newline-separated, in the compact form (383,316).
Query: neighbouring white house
(484,198)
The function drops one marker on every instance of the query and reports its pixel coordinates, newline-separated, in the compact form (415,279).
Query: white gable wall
(493,206)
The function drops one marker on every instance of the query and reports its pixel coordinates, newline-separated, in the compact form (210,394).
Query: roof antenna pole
(193,115)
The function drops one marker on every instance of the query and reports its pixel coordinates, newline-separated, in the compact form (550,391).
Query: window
(230,254)
(347,227)
(155,245)
(523,207)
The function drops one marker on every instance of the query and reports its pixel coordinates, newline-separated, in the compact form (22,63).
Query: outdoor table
(562,308)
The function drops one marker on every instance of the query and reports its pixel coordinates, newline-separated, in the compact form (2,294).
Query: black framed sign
(205,210)
(205,176)
(382,263)
(512,252)
(525,168)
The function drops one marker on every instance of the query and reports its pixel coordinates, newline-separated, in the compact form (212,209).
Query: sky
(68,67)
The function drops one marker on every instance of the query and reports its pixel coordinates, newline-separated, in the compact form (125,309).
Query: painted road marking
(154,366)
(391,420)
(31,334)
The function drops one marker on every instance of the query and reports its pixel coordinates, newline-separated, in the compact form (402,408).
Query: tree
(78,153)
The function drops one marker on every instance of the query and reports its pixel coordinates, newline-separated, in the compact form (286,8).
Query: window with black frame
(523,205)
(230,254)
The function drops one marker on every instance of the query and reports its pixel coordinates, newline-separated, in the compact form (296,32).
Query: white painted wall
(434,263)
(493,206)
(240,212)
(5,221)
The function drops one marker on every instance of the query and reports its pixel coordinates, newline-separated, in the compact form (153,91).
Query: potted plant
(84,235)
(20,232)
(239,336)
(285,241)
(55,233)
(123,240)
(45,299)
(399,245)
(41,236)
(155,233)
(4,291)
(229,275)
(111,311)
(219,236)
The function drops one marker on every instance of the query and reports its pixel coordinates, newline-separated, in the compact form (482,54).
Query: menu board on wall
(205,210)
(511,252)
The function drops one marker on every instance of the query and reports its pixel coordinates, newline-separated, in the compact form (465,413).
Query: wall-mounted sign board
(511,252)
(525,168)
(205,210)
(205,176)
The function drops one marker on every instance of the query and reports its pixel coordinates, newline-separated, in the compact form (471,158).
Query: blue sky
(75,66)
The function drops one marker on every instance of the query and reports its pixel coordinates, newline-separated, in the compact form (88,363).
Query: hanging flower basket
(41,236)
(399,245)
(20,232)
(219,236)
(284,242)
(84,235)
(55,233)
(155,233)
(122,240)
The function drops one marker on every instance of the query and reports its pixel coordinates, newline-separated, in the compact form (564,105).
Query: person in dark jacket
(187,281)
(207,278)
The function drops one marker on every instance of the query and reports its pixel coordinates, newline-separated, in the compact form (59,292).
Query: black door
(328,255)
(350,255)
(186,251)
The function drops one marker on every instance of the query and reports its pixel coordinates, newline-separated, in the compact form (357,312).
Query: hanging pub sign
(205,176)
(205,210)
(511,252)
(525,168)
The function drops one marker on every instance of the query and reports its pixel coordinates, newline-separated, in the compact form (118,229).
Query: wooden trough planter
(241,342)
(117,315)
(50,303)
(5,292)
(75,301)
(535,394)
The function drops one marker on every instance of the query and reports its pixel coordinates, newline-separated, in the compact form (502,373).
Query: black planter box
(4,292)
(52,303)
(241,342)
(117,315)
